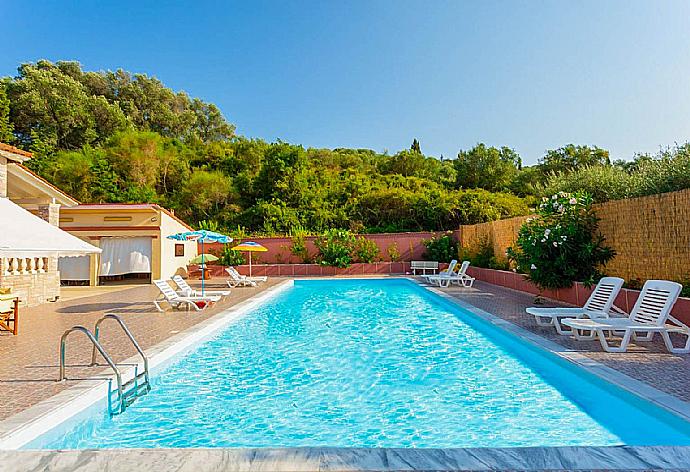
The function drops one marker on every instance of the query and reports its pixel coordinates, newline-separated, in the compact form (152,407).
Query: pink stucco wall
(308,270)
(410,246)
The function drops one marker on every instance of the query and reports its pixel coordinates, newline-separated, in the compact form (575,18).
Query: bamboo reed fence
(651,236)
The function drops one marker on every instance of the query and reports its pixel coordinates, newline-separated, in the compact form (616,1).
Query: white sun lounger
(460,277)
(187,291)
(651,314)
(256,278)
(451,268)
(174,300)
(598,305)
(237,280)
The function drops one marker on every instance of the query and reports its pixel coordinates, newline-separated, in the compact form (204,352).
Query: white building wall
(171,264)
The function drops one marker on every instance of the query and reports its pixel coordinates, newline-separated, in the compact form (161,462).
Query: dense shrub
(228,257)
(668,171)
(340,248)
(603,183)
(561,245)
(366,250)
(298,248)
(393,252)
(336,247)
(441,249)
(484,256)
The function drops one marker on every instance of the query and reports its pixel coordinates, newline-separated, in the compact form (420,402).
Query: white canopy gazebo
(25,235)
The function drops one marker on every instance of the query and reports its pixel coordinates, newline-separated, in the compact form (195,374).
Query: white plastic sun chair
(461,277)
(598,305)
(255,278)
(651,314)
(451,268)
(237,280)
(187,291)
(442,279)
(174,300)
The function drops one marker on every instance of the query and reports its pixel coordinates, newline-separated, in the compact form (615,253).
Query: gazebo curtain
(125,256)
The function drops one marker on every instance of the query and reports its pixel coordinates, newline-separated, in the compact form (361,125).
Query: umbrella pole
(203,267)
(249,255)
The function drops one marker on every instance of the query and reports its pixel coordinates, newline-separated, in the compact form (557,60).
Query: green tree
(415,146)
(50,110)
(6,127)
(571,157)
(485,167)
(210,125)
(206,194)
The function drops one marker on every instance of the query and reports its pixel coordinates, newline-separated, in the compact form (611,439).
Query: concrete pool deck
(645,364)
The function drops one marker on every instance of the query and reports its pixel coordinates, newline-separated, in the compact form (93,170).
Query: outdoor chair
(9,313)
(238,280)
(174,300)
(598,305)
(187,291)
(650,315)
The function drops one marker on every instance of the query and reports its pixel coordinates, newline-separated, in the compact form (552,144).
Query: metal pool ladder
(127,393)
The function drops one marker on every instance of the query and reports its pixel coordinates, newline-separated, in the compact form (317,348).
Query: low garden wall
(651,236)
(410,247)
(575,295)
(311,270)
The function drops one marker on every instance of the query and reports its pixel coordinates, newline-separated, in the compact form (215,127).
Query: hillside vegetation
(115,136)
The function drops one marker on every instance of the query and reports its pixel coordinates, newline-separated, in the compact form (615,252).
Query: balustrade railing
(23,265)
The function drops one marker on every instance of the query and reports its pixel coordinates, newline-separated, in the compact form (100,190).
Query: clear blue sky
(376,74)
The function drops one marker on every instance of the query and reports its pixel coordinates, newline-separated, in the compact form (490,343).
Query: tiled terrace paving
(648,362)
(29,362)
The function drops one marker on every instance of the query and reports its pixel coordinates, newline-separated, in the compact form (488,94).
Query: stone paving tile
(648,362)
(29,363)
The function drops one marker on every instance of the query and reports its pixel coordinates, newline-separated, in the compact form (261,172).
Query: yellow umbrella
(249,246)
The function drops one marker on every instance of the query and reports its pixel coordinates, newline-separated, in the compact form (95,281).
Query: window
(179,250)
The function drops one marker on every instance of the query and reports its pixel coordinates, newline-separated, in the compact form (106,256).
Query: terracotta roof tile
(14,150)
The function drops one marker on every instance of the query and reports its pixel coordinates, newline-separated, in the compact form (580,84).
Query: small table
(205,273)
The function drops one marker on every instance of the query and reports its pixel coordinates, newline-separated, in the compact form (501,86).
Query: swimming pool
(370,363)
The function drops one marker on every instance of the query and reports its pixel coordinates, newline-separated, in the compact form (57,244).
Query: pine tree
(415,146)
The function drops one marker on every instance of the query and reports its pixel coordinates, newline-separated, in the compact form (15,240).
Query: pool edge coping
(362,459)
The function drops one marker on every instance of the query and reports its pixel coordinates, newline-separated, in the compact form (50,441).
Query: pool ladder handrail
(128,333)
(124,397)
(97,345)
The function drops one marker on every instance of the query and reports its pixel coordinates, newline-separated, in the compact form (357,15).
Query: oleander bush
(561,244)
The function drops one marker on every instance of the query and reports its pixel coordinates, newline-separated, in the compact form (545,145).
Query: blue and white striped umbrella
(202,236)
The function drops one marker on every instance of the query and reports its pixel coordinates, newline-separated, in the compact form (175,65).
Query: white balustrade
(23,265)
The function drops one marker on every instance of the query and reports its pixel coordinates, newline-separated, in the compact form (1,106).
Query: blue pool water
(371,363)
